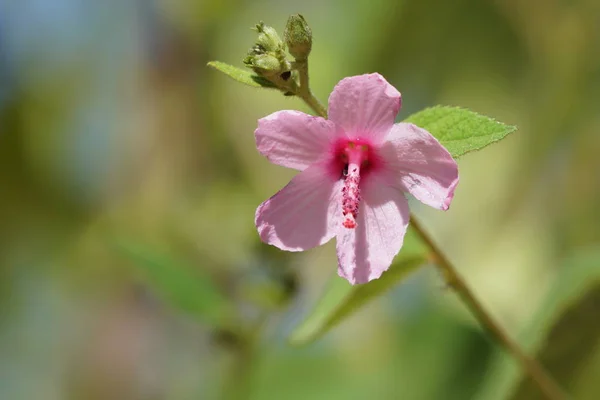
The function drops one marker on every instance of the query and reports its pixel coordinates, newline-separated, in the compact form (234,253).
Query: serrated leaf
(177,283)
(341,299)
(242,75)
(460,130)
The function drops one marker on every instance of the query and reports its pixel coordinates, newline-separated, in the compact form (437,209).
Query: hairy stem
(304,91)
(532,368)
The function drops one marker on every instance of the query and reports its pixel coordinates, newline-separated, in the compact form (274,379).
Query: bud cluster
(268,58)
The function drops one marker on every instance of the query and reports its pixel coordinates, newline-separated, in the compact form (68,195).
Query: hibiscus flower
(355,168)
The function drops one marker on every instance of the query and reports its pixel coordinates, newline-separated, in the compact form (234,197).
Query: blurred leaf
(184,287)
(342,299)
(241,75)
(460,130)
(566,332)
(570,343)
(267,295)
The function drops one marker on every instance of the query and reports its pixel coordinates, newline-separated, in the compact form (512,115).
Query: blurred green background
(127,167)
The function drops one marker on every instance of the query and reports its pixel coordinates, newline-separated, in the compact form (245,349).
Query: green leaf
(342,299)
(242,75)
(460,130)
(182,286)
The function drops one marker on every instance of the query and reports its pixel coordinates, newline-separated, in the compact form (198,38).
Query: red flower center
(353,159)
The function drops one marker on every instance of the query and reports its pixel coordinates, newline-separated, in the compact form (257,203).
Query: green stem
(531,367)
(304,91)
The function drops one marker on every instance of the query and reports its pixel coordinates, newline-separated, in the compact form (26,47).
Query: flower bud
(263,64)
(267,57)
(268,39)
(298,37)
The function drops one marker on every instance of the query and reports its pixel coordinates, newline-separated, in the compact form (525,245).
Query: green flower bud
(263,64)
(298,37)
(268,58)
(268,39)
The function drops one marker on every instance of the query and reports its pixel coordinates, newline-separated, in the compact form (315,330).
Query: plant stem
(531,367)
(535,371)
(304,91)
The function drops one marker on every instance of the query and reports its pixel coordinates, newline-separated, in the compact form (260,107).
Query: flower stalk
(304,91)
(534,370)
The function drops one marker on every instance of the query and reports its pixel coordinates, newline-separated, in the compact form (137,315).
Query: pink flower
(355,167)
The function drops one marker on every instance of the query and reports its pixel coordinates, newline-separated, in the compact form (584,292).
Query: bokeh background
(124,159)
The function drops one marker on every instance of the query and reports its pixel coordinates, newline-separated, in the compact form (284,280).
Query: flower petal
(420,165)
(364,105)
(293,139)
(366,251)
(303,214)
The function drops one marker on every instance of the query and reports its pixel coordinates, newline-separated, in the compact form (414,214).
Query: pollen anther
(351,196)
(354,156)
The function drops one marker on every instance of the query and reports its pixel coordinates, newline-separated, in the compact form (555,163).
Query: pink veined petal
(420,165)
(293,139)
(365,106)
(366,251)
(303,214)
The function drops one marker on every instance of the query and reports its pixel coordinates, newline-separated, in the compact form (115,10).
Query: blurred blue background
(113,130)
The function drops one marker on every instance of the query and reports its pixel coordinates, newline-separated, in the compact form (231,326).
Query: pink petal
(293,139)
(420,165)
(366,251)
(364,105)
(303,214)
